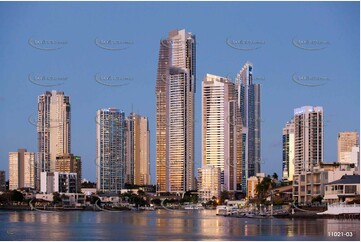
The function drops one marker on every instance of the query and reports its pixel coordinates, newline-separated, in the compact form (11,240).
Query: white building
(60,182)
(110,150)
(209,183)
(345,189)
(308,138)
(222,130)
(310,184)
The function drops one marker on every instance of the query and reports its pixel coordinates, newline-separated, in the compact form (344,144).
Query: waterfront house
(346,189)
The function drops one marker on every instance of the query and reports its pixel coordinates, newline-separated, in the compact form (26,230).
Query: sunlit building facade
(345,142)
(54,121)
(249,101)
(175,90)
(222,130)
(69,163)
(137,155)
(110,149)
(22,172)
(252,183)
(288,151)
(209,183)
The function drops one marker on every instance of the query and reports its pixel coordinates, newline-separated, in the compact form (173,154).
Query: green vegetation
(11,196)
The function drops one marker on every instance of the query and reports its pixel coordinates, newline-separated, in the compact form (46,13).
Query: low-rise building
(346,189)
(69,163)
(311,184)
(209,183)
(88,191)
(60,182)
(252,183)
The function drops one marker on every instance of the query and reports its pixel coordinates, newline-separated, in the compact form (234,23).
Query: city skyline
(213,56)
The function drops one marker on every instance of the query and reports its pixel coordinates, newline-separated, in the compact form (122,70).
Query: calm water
(165,225)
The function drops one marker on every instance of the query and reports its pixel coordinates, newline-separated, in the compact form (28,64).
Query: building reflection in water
(166,225)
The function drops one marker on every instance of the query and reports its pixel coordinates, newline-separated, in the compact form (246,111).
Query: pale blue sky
(277,62)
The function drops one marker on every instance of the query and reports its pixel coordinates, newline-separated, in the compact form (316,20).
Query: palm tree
(263,187)
(275,176)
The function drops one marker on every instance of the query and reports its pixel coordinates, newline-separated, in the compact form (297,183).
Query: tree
(156,201)
(262,188)
(275,176)
(141,193)
(93,199)
(56,198)
(317,199)
(16,196)
(224,196)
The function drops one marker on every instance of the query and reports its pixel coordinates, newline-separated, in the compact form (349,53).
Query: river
(167,225)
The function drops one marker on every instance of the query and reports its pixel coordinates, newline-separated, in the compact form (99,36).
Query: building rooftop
(347,179)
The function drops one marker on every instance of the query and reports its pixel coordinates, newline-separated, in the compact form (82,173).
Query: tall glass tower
(110,148)
(175,90)
(249,101)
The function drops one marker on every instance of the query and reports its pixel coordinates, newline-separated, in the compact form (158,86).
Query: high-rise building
(308,138)
(137,155)
(110,150)
(2,181)
(222,130)
(175,88)
(209,183)
(288,151)
(345,142)
(249,101)
(69,163)
(22,171)
(53,129)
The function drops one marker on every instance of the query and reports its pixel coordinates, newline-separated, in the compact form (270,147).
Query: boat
(193,207)
(341,208)
(221,210)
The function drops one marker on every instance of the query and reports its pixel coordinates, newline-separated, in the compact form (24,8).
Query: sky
(304,53)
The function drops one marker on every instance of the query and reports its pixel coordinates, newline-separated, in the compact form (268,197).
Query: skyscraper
(53,129)
(222,130)
(308,138)
(249,101)
(110,149)
(137,155)
(175,90)
(345,142)
(288,151)
(22,171)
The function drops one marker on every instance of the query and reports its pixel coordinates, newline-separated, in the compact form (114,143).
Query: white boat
(193,207)
(221,210)
(341,208)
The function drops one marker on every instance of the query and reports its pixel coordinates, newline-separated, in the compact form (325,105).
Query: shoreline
(93,209)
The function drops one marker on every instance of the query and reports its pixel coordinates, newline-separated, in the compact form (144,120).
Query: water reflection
(165,225)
